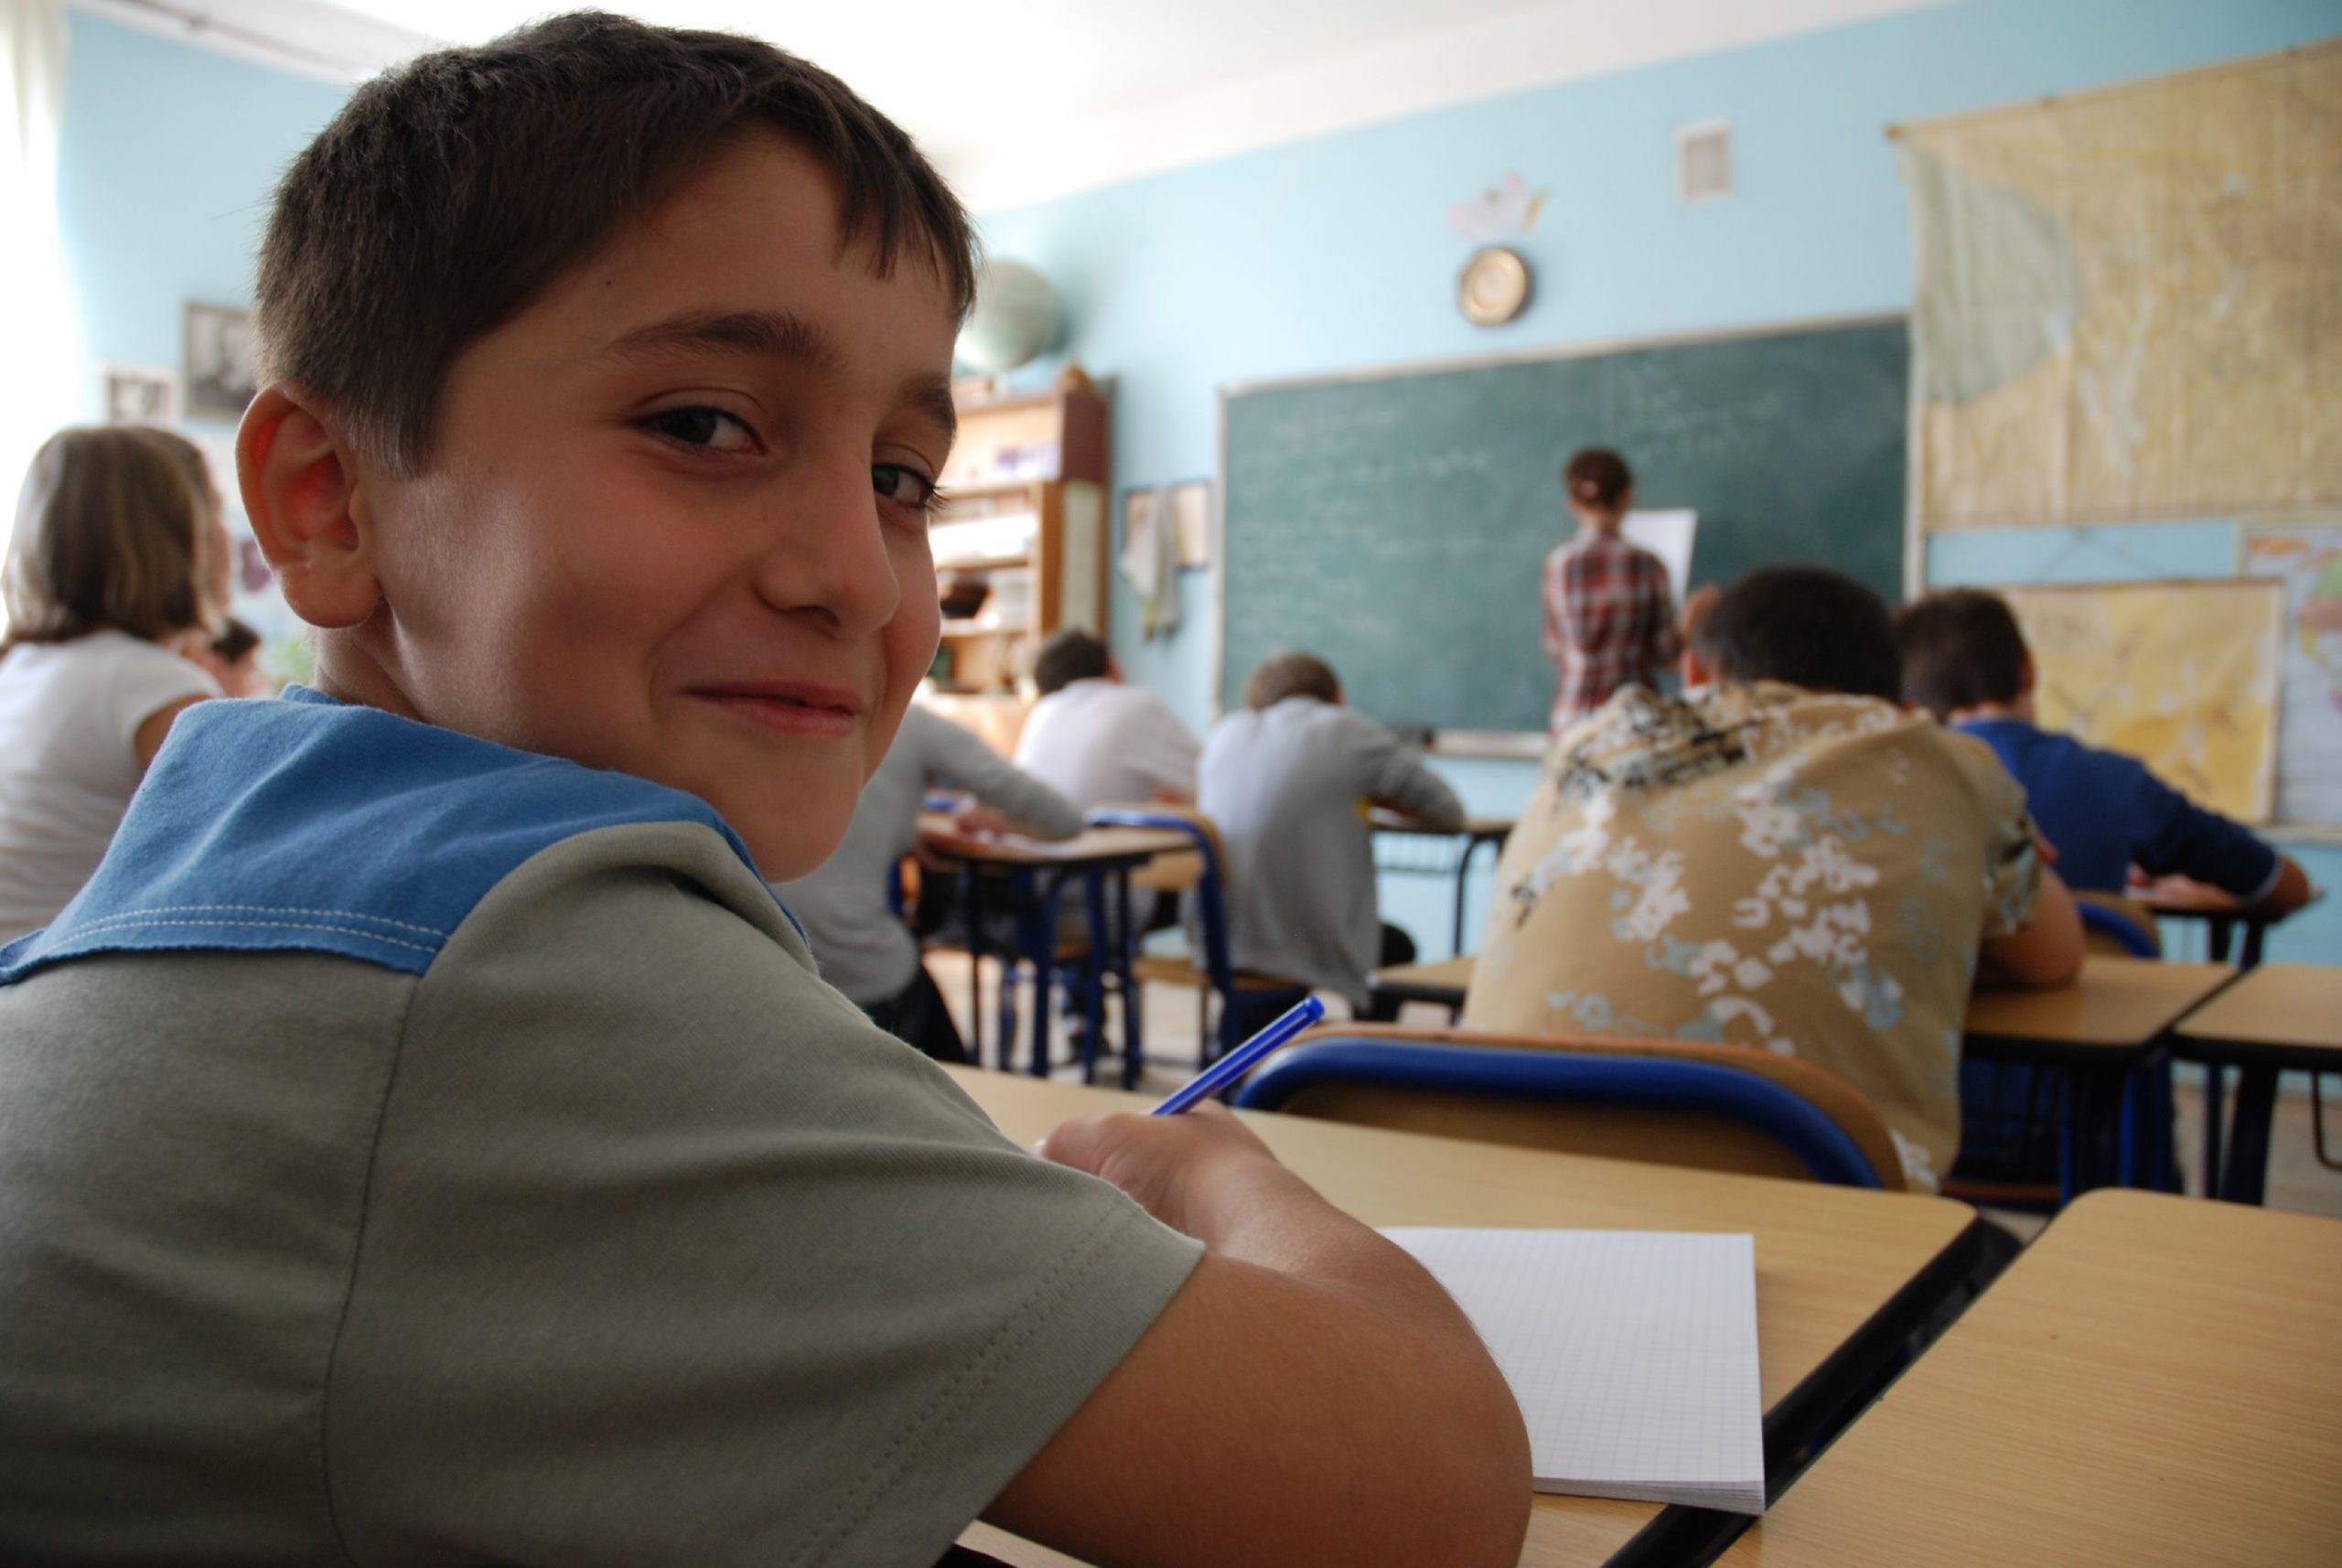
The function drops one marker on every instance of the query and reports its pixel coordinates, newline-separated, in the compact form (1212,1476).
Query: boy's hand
(1185,1170)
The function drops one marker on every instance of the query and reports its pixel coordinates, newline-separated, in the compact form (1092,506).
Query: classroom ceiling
(1019,101)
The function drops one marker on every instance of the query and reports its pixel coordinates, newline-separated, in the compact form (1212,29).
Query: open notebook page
(1633,1354)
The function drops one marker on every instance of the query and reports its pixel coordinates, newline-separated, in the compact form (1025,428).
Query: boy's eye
(708,427)
(904,487)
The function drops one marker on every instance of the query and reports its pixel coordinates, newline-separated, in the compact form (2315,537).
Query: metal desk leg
(2219,931)
(1093,1011)
(971,910)
(2253,932)
(2216,1078)
(2090,1151)
(1037,941)
(1125,949)
(2246,1177)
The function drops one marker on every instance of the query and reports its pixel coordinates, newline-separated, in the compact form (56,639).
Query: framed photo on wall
(139,394)
(222,362)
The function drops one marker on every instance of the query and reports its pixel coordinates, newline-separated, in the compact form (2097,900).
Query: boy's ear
(299,480)
(2026,678)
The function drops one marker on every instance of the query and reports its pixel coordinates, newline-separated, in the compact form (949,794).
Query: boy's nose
(828,557)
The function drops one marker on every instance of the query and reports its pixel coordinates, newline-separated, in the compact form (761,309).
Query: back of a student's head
(1283,675)
(1961,649)
(1802,626)
(112,532)
(1069,656)
(450,193)
(1597,479)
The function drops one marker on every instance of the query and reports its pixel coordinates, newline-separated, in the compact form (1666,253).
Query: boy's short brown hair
(1283,675)
(113,531)
(1961,648)
(450,192)
(1806,626)
(1069,656)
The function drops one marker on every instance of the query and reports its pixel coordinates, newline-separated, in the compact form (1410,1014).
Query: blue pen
(1239,1062)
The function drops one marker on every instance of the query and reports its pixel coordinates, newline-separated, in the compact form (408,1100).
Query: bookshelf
(1020,543)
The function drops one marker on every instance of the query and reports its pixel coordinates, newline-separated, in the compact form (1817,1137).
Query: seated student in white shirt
(863,947)
(1287,781)
(1097,741)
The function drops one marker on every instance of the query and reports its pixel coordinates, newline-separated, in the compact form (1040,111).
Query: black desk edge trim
(1812,1415)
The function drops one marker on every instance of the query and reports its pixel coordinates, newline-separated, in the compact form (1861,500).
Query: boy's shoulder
(306,824)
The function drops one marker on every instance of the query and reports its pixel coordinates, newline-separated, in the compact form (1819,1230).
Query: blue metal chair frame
(1637,1082)
(1212,908)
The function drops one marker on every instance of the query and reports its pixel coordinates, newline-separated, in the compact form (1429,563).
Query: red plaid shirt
(1609,621)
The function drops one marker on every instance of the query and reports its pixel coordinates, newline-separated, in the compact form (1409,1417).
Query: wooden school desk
(1033,872)
(2220,914)
(2152,1381)
(1442,983)
(2098,1031)
(1842,1274)
(2280,1016)
(1475,832)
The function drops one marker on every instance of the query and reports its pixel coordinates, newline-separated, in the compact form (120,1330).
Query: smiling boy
(427,1139)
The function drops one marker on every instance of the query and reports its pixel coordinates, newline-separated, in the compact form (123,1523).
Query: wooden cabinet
(1020,543)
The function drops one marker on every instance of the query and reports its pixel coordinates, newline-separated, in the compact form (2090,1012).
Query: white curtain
(39,362)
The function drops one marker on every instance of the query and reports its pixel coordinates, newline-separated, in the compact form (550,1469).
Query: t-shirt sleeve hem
(1039,1367)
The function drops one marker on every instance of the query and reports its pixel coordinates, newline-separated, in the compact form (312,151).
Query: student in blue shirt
(1965,660)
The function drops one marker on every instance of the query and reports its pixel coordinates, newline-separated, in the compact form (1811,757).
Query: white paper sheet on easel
(1632,1353)
(1668,535)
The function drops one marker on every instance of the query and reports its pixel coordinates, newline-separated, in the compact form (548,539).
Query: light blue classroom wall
(1335,253)
(166,162)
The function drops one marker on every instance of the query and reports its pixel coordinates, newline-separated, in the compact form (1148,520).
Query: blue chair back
(2120,928)
(1626,1081)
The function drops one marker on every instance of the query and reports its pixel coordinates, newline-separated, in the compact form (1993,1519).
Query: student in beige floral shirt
(1782,858)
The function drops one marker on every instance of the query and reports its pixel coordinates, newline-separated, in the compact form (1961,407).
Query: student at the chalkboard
(1610,614)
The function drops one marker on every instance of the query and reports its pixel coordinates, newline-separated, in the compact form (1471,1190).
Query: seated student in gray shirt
(1286,782)
(863,945)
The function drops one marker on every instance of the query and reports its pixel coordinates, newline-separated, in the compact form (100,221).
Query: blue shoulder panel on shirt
(306,824)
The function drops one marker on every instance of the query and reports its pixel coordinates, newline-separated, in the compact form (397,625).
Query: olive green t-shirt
(612,1237)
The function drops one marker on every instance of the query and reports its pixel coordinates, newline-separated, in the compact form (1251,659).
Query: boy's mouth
(791,707)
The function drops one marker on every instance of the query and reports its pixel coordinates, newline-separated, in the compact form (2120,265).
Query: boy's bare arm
(1311,1395)
(2046,950)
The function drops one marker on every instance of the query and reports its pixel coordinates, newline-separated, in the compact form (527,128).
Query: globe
(1016,318)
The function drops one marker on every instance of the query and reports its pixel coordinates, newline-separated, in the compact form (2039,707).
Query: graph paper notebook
(1633,1354)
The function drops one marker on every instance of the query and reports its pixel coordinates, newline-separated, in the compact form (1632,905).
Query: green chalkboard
(1396,524)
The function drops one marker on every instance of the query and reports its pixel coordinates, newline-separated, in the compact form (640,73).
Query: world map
(2182,675)
(2307,557)
(2128,303)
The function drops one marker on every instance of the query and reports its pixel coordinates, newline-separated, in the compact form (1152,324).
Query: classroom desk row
(2151,1381)
(1842,1274)
(2100,1031)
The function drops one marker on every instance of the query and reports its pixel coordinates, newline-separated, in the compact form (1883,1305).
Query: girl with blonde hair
(118,558)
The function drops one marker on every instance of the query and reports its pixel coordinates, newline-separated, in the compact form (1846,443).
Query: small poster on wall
(139,394)
(222,362)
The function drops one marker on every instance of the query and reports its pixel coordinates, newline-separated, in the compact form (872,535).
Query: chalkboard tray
(1396,522)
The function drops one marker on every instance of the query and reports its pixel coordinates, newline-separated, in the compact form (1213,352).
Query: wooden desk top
(1382,819)
(2179,899)
(2290,1004)
(2152,1381)
(1088,845)
(1828,1258)
(2118,1004)
(1448,973)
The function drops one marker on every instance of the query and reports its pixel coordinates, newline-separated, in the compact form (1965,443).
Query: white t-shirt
(1100,743)
(68,714)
